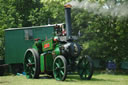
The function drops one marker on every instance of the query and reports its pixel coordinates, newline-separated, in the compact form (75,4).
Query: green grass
(98,79)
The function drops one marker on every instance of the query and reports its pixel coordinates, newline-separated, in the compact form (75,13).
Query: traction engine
(58,56)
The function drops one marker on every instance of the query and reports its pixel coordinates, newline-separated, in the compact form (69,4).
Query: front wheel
(85,68)
(60,68)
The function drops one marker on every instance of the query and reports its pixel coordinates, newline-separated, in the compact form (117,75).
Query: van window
(28,34)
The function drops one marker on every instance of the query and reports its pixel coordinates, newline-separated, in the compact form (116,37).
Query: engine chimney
(68,21)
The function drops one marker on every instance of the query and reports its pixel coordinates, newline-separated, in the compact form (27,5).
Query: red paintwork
(47,45)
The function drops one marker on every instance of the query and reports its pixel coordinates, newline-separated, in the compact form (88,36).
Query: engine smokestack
(68,20)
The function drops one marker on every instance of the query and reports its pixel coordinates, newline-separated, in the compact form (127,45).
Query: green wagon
(18,40)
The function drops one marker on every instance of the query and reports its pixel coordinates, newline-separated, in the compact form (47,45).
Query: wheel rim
(29,65)
(58,69)
(84,69)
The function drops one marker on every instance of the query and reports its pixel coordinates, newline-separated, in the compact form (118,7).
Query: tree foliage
(103,36)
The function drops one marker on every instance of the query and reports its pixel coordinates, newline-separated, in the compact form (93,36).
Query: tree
(24,8)
(56,8)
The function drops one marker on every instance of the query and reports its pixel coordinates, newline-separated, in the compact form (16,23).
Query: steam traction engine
(57,56)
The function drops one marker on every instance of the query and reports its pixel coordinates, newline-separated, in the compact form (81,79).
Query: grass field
(98,79)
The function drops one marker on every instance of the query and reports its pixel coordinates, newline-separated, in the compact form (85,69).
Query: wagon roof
(32,27)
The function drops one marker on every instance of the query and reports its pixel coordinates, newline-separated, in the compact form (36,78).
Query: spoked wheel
(85,68)
(31,63)
(60,68)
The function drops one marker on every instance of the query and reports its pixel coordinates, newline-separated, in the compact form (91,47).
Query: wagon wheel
(31,63)
(1,70)
(85,68)
(60,68)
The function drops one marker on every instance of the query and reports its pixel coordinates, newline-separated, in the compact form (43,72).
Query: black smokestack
(68,20)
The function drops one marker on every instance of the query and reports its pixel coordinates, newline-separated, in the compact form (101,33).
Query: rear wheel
(31,63)
(85,68)
(60,68)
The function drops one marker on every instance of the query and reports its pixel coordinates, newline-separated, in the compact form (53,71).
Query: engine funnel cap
(67,5)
